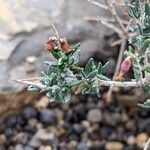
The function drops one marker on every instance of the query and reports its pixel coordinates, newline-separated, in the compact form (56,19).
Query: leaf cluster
(64,74)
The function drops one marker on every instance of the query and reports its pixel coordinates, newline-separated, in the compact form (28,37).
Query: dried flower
(52,41)
(64,45)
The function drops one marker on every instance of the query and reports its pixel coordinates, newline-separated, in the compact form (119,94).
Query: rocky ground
(85,123)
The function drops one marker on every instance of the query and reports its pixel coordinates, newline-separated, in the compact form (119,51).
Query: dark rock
(46,116)
(143,124)
(94,116)
(112,118)
(29,112)
(82,146)
(90,105)
(143,113)
(11,121)
(97,146)
(131,147)
(30,129)
(28,148)
(8,132)
(105,132)
(73,137)
(78,128)
(21,120)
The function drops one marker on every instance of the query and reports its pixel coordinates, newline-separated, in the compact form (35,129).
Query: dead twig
(97,4)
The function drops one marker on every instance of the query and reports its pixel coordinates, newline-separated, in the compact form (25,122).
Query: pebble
(114,145)
(112,118)
(3,139)
(29,112)
(46,116)
(94,116)
(141,139)
(78,128)
(30,59)
(45,148)
(42,103)
(131,140)
(11,121)
(72,145)
(19,147)
(82,146)
(28,148)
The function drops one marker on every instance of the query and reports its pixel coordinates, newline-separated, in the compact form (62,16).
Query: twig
(123,43)
(30,81)
(147,146)
(36,82)
(98,19)
(115,16)
(113,27)
(97,4)
(57,35)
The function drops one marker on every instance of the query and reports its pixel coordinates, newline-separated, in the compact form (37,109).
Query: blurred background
(29,121)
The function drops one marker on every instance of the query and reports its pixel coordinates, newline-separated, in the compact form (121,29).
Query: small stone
(130,125)
(82,146)
(72,145)
(131,140)
(29,112)
(32,122)
(28,148)
(94,116)
(8,132)
(19,147)
(21,138)
(21,121)
(30,59)
(114,145)
(41,136)
(11,121)
(2,139)
(112,118)
(45,148)
(85,124)
(141,139)
(78,128)
(42,103)
(47,116)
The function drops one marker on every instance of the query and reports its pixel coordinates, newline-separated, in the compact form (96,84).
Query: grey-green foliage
(64,73)
(139,11)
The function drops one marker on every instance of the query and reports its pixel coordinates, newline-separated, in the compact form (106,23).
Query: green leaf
(76,57)
(102,77)
(33,88)
(137,73)
(147,69)
(147,9)
(73,49)
(103,69)
(90,66)
(99,67)
(92,74)
(145,104)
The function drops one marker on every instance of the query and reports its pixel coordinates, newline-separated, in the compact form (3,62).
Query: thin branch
(30,81)
(115,16)
(111,26)
(36,82)
(123,43)
(57,34)
(98,19)
(147,146)
(97,4)
(121,84)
